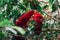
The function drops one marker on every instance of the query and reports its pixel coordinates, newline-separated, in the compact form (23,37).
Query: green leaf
(2,34)
(7,1)
(45,7)
(2,15)
(15,12)
(34,4)
(54,8)
(5,23)
(8,9)
(59,6)
(26,4)
(42,13)
(32,25)
(11,30)
(51,1)
(22,6)
(2,3)
(24,0)
(31,5)
(14,2)
(20,30)
(45,25)
(39,8)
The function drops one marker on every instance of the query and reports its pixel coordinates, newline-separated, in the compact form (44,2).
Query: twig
(51,29)
(52,17)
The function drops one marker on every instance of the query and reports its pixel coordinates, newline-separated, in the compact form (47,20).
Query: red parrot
(22,21)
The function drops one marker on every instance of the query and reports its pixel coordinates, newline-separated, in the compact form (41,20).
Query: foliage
(11,10)
(5,23)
